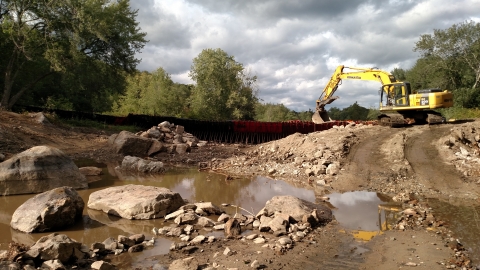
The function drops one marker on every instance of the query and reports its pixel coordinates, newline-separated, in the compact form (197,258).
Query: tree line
(80,55)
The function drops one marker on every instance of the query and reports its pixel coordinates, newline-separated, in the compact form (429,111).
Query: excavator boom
(395,96)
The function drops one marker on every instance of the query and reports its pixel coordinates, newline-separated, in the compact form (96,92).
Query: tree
(224,90)
(399,73)
(61,36)
(452,50)
(352,112)
(154,94)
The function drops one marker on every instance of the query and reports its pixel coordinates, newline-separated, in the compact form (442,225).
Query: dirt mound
(314,157)
(461,146)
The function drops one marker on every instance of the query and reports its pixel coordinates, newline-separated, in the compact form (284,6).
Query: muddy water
(464,221)
(96,226)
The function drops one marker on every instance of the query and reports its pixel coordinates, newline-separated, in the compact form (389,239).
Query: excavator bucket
(320,117)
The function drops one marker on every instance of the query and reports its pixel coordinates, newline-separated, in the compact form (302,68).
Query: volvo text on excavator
(399,105)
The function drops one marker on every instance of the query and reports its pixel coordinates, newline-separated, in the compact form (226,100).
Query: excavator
(399,105)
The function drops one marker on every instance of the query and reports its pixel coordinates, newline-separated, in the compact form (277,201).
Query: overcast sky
(294,46)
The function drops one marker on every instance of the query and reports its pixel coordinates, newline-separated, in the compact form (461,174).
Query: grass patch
(460,113)
(89,124)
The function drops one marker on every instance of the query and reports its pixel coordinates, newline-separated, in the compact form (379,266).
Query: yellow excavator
(399,105)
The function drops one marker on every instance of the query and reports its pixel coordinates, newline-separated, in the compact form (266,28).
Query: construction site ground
(407,164)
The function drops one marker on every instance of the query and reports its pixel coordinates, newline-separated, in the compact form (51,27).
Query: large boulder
(136,201)
(127,143)
(137,164)
(56,247)
(51,210)
(296,208)
(37,170)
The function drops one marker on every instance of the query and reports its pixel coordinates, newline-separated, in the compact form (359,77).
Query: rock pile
(286,217)
(315,156)
(165,137)
(58,251)
(462,148)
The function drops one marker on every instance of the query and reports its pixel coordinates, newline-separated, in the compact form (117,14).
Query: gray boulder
(137,164)
(56,247)
(37,170)
(127,143)
(297,208)
(136,201)
(48,211)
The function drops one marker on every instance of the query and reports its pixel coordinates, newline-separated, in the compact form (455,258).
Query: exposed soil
(406,164)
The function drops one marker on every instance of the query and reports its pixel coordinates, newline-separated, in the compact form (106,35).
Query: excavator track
(391,120)
(435,118)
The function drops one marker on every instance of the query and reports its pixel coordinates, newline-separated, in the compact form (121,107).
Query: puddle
(464,221)
(363,214)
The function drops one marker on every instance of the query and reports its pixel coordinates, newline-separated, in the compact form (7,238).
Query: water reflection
(357,210)
(248,193)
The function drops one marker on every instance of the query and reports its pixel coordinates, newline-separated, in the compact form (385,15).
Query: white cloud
(294,47)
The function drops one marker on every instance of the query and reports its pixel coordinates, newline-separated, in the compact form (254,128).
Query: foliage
(278,113)
(450,59)
(460,113)
(373,114)
(224,90)
(352,112)
(90,43)
(154,94)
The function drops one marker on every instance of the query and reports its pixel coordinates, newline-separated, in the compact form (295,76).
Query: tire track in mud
(366,163)
(428,167)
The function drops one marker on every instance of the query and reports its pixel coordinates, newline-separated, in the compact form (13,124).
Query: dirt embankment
(407,164)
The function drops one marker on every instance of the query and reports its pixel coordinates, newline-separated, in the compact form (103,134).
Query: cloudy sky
(294,46)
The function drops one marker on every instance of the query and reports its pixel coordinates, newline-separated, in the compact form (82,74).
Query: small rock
(190,263)
(102,265)
(259,240)
(255,264)
(53,265)
(227,251)
(135,248)
(197,240)
(284,241)
(223,217)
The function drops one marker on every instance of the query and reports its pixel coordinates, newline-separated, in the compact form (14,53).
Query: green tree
(66,37)
(224,90)
(455,51)
(154,94)
(399,73)
(273,113)
(352,112)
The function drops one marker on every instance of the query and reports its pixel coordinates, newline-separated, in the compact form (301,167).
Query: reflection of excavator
(396,98)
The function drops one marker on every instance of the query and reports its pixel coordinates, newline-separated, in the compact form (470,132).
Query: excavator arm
(327,97)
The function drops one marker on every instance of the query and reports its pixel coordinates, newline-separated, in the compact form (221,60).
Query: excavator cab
(396,94)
